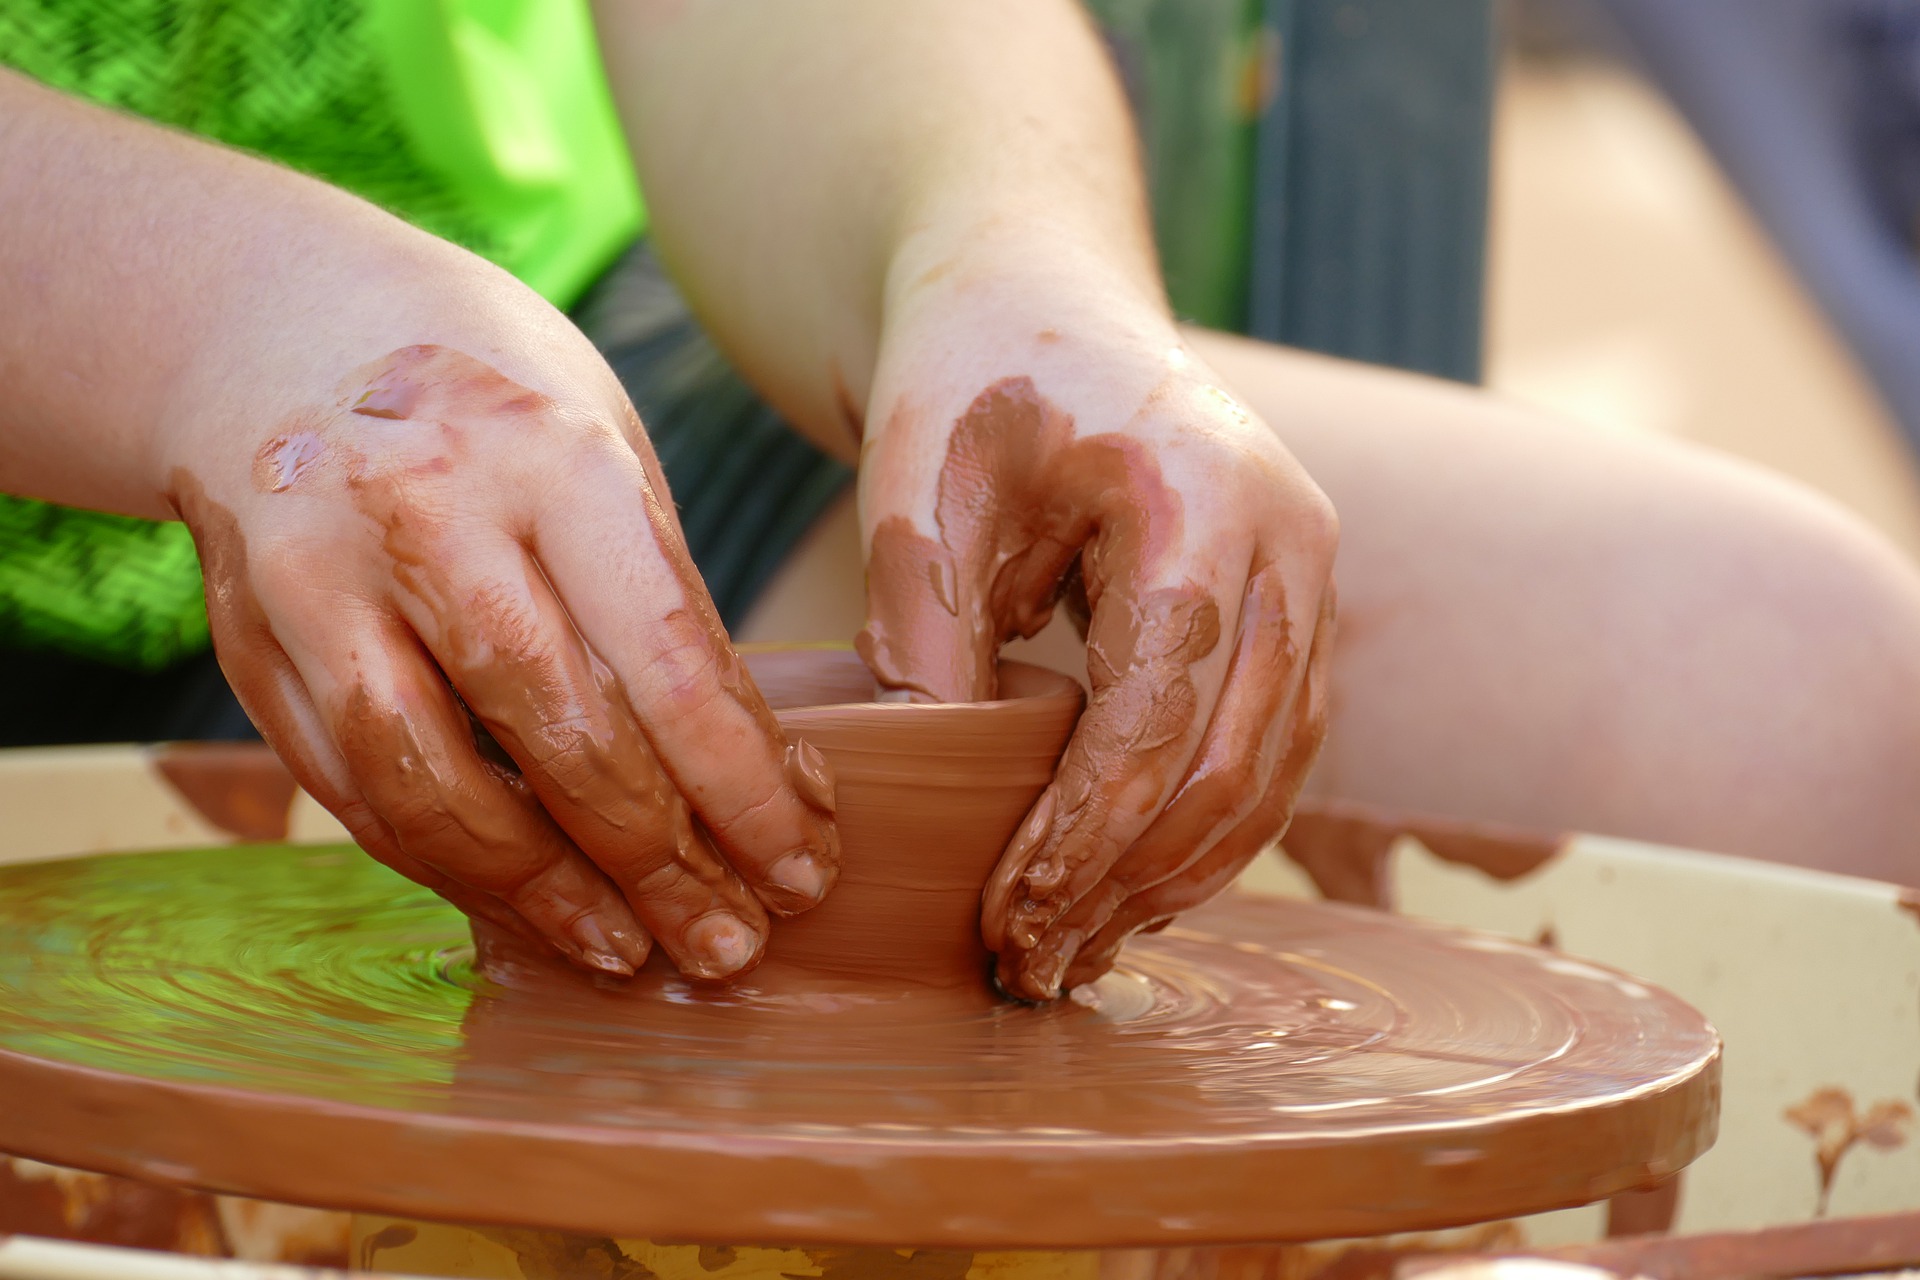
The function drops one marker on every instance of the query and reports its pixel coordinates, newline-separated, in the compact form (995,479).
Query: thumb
(928,637)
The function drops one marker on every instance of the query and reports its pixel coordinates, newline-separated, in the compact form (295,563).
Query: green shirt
(487,122)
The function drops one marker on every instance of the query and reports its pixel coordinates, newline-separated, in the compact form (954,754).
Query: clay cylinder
(928,798)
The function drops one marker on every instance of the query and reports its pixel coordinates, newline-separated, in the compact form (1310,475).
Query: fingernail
(596,948)
(607,962)
(1045,875)
(1033,918)
(800,880)
(998,909)
(631,945)
(720,944)
(809,774)
(1045,973)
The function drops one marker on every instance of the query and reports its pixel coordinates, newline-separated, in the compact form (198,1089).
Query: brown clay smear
(1909,902)
(1140,660)
(1829,1117)
(1021,503)
(1008,534)
(1240,1050)
(240,787)
(1343,848)
(389,446)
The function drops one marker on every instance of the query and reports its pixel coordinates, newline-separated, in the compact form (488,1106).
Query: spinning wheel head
(298,1024)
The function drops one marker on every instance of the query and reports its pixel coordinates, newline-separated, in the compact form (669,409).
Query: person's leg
(1554,628)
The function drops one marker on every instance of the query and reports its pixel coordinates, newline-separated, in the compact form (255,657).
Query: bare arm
(417,492)
(129,251)
(802,159)
(919,225)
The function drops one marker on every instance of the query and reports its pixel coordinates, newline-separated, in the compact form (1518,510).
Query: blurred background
(1633,286)
(1692,217)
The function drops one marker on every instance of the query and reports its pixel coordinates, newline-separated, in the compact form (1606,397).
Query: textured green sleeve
(487,122)
(99,586)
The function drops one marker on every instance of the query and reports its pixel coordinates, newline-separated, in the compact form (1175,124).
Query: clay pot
(929,797)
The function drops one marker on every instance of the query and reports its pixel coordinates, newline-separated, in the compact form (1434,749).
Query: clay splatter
(1829,1117)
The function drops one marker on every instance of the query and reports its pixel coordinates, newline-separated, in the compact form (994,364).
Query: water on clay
(315,972)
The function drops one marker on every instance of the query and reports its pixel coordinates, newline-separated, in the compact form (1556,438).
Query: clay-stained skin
(1021,501)
(477,636)
(1005,528)
(809,774)
(1343,847)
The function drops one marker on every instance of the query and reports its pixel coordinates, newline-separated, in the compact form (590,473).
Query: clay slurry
(1389,1075)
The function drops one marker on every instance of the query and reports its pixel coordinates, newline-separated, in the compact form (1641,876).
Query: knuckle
(1318,522)
(422,821)
(681,676)
(1240,782)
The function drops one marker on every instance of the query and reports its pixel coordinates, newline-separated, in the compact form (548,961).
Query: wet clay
(1024,509)
(1343,848)
(240,787)
(1005,537)
(600,819)
(299,1024)
(927,797)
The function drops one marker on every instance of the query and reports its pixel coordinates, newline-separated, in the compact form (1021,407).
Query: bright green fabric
(487,122)
(506,102)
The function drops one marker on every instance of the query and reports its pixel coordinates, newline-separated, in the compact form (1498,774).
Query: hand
(422,542)
(1024,450)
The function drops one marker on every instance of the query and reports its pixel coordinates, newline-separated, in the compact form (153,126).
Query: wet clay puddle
(301,1024)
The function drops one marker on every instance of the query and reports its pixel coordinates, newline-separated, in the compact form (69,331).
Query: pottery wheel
(302,1025)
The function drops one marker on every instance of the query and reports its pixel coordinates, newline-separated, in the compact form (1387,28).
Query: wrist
(966,311)
(1026,266)
(284,335)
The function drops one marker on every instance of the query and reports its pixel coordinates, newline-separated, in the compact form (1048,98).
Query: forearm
(807,162)
(139,267)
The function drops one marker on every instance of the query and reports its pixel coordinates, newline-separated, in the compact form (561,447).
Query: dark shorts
(747,486)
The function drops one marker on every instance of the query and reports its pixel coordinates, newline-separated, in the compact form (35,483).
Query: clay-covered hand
(1022,455)
(424,546)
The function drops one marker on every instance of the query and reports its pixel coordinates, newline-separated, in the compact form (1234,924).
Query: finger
(1216,869)
(1156,676)
(504,641)
(275,699)
(406,740)
(1243,748)
(609,545)
(606,546)
(938,608)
